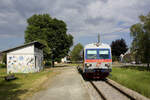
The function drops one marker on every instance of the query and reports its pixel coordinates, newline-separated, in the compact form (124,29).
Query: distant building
(121,57)
(126,57)
(26,58)
(64,60)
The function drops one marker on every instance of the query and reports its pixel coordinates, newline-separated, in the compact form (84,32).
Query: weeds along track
(108,91)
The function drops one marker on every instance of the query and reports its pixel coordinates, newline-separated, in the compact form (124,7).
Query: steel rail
(122,92)
(113,86)
(98,91)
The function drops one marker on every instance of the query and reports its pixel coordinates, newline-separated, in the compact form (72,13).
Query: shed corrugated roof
(37,44)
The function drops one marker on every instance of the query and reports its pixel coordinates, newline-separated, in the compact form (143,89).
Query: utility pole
(98,38)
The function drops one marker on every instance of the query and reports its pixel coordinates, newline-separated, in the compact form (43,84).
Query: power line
(114,32)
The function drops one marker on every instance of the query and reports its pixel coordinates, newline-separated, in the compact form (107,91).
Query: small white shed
(26,58)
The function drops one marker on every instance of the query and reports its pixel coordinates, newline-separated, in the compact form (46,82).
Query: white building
(26,58)
(64,60)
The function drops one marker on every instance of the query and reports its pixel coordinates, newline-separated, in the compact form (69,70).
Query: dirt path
(66,86)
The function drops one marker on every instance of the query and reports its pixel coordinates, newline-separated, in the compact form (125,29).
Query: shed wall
(20,63)
(25,60)
(38,53)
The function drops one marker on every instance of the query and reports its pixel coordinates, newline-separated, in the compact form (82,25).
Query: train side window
(104,54)
(91,54)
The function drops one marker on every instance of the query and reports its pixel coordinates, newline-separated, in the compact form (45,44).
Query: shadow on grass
(10,90)
(59,66)
(66,65)
(139,68)
(56,66)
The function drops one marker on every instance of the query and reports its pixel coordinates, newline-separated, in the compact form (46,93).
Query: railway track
(103,90)
(107,91)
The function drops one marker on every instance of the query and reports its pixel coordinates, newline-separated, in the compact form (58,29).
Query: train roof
(97,45)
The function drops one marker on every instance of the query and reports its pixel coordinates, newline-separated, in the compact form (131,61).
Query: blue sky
(84,18)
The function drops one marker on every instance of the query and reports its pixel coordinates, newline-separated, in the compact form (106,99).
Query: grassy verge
(134,79)
(25,84)
(75,64)
(68,64)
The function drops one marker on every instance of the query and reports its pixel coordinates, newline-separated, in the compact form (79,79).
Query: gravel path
(66,86)
(69,85)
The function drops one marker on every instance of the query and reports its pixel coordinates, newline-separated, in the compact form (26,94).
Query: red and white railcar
(97,62)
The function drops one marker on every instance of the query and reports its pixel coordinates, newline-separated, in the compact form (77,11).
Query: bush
(114,58)
(48,63)
(2,66)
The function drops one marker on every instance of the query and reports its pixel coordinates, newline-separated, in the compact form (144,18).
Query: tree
(141,39)
(76,52)
(118,47)
(4,57)
(52,33)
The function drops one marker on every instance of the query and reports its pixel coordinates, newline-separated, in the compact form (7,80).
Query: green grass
(133,78)
(25,84)
(68,64)
(75,64)
(2,65)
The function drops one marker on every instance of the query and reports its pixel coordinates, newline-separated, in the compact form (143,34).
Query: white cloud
(83,18)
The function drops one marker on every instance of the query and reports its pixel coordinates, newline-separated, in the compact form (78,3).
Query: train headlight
(107,65)
(88,65)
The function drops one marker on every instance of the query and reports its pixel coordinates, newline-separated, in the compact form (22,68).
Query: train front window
(104,54)
(91,54)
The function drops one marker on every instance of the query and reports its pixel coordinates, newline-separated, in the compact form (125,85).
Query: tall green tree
(76,52)
(118,47)
(52,33)
(141,39)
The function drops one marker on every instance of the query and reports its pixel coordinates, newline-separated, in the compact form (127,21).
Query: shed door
(35,61)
